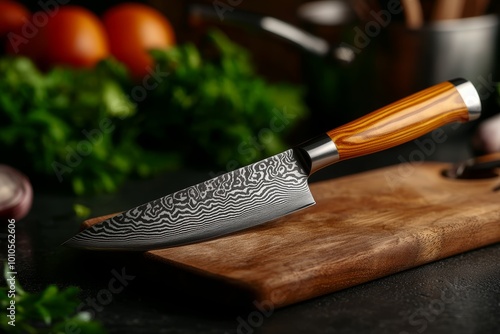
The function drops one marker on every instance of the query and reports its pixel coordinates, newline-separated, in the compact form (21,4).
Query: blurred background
(93,94)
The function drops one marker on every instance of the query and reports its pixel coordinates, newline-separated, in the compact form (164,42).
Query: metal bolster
(317,153)
(470,96)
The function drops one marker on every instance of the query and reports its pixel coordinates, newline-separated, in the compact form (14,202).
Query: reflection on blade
(237,200)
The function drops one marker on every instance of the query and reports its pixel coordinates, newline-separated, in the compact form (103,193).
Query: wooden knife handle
(407,119)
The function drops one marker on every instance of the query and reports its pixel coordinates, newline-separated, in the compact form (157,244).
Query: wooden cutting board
(363,227)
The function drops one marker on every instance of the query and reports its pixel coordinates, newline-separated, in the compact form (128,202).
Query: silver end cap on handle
(317,153)
(470,96)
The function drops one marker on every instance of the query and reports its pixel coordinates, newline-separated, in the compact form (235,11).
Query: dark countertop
(460,294)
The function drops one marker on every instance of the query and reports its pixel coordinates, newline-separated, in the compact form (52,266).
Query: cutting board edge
(245,290)
(256,292)
(410,243)
(367,279)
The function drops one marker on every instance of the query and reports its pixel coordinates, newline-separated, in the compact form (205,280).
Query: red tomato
(72,36)
(132,30)
(12,16)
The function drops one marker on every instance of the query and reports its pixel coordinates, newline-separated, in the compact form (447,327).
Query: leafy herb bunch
(93,129)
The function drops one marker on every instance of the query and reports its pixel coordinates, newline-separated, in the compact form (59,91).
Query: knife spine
(317,153)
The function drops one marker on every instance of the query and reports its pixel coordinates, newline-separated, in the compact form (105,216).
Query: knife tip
(69,243)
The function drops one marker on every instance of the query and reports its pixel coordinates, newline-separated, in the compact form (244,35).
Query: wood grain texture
(363,227)
(400,122)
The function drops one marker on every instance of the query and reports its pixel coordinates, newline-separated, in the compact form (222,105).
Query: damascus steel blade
(246,197)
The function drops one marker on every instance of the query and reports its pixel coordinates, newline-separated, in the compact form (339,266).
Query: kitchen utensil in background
(411,59)
(487,166)
(390,56)
(277,186)
(413,13)
(448,10)
(399,54)
(340,12)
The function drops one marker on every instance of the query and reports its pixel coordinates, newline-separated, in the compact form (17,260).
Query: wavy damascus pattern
(243,198)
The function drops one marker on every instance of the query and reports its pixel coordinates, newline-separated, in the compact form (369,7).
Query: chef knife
(276,186)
